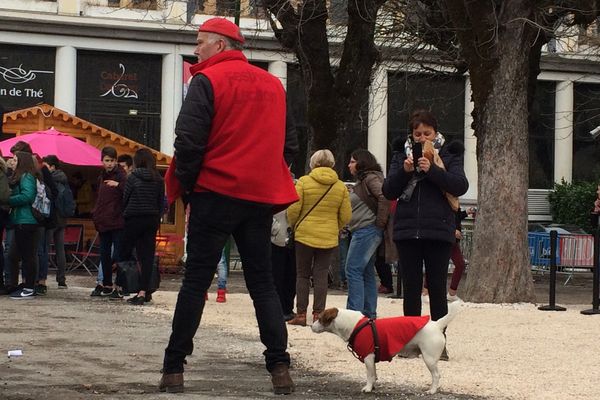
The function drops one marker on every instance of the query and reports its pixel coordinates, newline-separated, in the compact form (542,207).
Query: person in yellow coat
(316,219)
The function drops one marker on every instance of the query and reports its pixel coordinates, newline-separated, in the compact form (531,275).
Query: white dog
(406,335)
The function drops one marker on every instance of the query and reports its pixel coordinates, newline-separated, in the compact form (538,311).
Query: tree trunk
(498,51)
(333,103)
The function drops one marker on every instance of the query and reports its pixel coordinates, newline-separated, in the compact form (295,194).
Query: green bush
(572,203)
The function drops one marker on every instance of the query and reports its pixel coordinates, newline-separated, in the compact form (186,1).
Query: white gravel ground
(497,351)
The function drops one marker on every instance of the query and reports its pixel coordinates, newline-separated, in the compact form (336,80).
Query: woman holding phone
(426,175)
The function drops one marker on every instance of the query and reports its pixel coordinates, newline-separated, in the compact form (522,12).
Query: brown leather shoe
(299,319)
(171,383)
(282,382)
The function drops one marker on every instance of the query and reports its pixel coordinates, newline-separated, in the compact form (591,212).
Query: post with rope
(596,276)
(552,306)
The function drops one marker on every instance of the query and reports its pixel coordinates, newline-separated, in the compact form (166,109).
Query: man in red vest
(229,165)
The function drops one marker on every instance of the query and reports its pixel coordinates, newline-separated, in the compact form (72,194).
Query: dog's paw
(431,391)
(368,388)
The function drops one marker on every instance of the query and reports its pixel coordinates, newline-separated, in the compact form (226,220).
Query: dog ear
(328,316)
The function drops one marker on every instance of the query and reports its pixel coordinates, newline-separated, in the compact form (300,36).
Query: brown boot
(171,383)
(299,319)
(280,377)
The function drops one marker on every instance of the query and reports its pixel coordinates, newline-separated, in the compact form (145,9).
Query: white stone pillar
(377,135)
(171,99)
(69,7)
(470,146)
(65,79)
(563,131)
(279,69)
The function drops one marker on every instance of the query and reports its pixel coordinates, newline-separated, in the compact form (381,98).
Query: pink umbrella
(67,148)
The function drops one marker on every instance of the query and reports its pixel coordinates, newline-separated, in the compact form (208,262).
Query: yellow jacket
(320,229)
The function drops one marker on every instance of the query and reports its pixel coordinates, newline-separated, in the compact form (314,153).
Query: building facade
(121,64)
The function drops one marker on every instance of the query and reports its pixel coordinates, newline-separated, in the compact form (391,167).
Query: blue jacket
(427,214)
(21,199)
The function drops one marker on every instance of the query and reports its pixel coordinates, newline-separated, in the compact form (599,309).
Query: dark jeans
(24,249)
(213,218)
(108,255)
(284,275)
(140,232)
(435,254)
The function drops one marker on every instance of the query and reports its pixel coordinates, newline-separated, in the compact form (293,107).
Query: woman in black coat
(143,204)
(424,222)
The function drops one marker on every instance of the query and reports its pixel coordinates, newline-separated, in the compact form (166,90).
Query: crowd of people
(234,144)
(126,212)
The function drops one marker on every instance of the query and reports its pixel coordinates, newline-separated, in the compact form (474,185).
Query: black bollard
(596,277)
(552,306)
(398,294)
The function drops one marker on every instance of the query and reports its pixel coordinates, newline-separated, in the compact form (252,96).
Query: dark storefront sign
(26,76)
(121,92)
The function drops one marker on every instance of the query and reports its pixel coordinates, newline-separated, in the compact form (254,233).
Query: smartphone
(417,151)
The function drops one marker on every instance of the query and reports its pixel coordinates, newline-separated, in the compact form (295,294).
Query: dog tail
(453,309)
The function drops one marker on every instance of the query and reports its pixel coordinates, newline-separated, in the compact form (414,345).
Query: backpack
(40,208)
(64,203)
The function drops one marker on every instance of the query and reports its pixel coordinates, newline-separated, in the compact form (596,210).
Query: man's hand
(111,183)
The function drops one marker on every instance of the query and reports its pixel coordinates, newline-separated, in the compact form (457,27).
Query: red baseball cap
(224,27)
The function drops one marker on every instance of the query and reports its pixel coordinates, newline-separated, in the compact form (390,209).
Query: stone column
(69,7)
(470,145)
(65,79)
(279,69)
(171,99)
(377,135)
(563,131)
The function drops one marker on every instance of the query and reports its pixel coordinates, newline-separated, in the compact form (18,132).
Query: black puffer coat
(144,194)
(427,214)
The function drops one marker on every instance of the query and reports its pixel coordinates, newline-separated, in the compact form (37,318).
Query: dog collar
(371,322)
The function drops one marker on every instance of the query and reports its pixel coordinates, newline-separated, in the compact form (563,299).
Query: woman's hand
(424,164)
(409,166)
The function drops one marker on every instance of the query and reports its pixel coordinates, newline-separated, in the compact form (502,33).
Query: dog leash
(356,331)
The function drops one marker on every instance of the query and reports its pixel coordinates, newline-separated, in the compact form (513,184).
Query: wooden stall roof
(44,116)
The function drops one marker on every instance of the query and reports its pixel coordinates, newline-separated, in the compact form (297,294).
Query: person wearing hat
(231,137)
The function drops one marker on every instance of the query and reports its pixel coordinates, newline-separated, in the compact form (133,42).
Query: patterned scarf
(438,142)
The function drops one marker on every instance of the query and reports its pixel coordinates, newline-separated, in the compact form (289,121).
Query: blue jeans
(360,271)
(213,218)
(222,268)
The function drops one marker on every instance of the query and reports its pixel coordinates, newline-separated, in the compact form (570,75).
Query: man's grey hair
(230,44)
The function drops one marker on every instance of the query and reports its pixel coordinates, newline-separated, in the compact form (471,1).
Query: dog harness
(386,337)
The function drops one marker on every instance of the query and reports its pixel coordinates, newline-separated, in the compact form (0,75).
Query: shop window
(586,145)
(121,92)
(541,137)
(26,76)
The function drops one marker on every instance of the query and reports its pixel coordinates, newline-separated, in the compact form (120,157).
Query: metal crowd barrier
(575,252)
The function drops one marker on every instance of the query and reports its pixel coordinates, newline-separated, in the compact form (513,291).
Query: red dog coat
(392,334)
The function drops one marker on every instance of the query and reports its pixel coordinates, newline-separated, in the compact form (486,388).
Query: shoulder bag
(289,242)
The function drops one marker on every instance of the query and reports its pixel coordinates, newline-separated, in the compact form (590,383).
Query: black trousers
(435,255)
(140,233)
(284,275)
(213,218)
(24,249)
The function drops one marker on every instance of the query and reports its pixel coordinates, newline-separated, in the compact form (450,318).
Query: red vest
(244,153)
(393,334)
